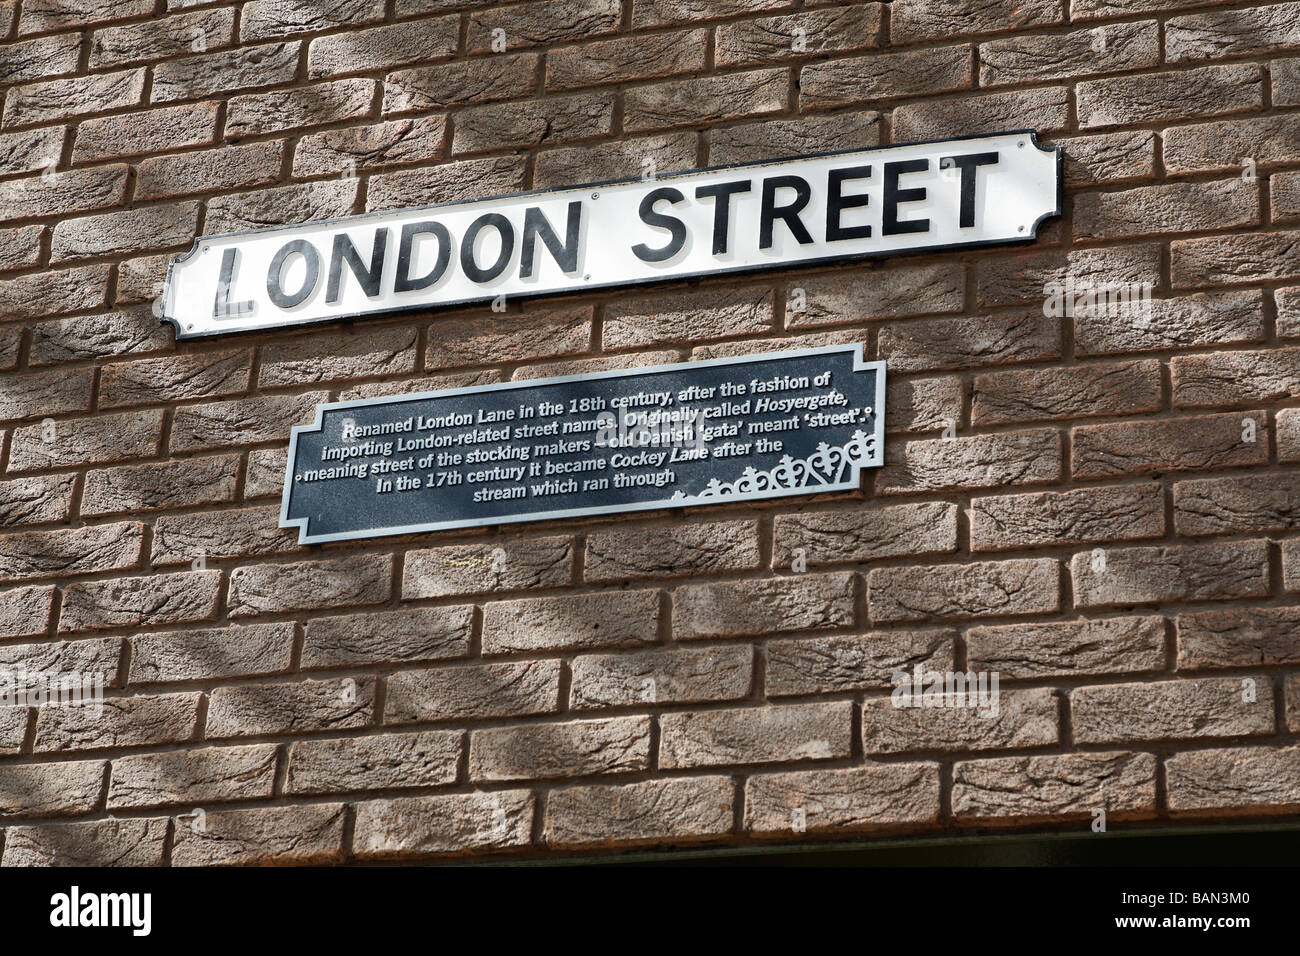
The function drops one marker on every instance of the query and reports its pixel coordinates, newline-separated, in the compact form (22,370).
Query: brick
(671,551)
(677,810)
(131,842)
(42,15)
(858,535)
(71,551)
(879,294)
(217,535)
(256,114)
(271,19)
(705,100)
(29,151)
(867,79)
(929,345)
(1225,33)
(85,441)
(53,100)
(1171,207)
(298,835)
(230,167)
(1208,572)
(1113,645)
(193,776)
(1011,279)
(162,37)
(303,202)
(424,383)
(470,179)
(652,13)
(827,665)
(50,789)
(831,802)
(93,659)
(382,48)
(1030,457)
(209,653)
(151,227)
(254,710)
(973,590)
(602,619)
(1109,9)
(390,762)
(333,356)
(1017,718)
(468,693)
(20,247)
(566,119)
(1235,378)
(1288,435)
(241,422)
(619,160)
(40,58)
(803,34)
(1045,110)
(1230,260)
(691,317)
(1183,94)
(482,80)
(397,142)
(139,602)
(455,343)
(1238,637)
(487,568)
(152,131)
(265,476)
(140,279)
(1230,505)
(45,393)
(923,404)
(1236,778)
(691,675)
(122,722)
(1055,787)
(577,749)
(59,194)
(1181,444)
(543,22)
(1120,388)
(308,585)
(1112,513)
(1227,144)
(1179,709)
(131,489)
(410,636)
(130,331)
(1207,318)
(626,58)
(454,823)
(175,378)
(1109,157)
(25,612)
(795,603)
(778,138)
(755,735)
(917,21)
(36,500)
(1284,197)
(1113,49)
(13,729)
(1286,82)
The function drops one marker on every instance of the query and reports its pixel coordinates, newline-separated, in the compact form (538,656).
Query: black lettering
(222,307)
(345,251)
(969,165)
(538,226)
(894,196)
(721,194)
(837,202)
(403,281)
(275,274)
(676,228)
(507,232)
(789,213)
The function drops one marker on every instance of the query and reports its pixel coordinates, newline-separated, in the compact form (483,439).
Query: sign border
(1030,236)
(850,483)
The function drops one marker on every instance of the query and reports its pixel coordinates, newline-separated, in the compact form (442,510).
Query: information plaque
(741,429)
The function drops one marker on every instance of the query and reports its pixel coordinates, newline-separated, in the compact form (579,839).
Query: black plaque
(740,429)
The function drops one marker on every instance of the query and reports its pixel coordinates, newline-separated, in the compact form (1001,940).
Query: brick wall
(1102,510)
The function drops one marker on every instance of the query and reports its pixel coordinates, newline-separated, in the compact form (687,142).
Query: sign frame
(851,482)
(1030,235)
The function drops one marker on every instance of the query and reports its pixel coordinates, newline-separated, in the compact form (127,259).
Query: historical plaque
(742,429)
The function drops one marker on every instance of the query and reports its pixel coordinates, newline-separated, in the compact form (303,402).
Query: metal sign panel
(958,193)
(733,429)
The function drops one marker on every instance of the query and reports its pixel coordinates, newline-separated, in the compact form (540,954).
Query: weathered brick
(1112,645)
(1227,144)
(671,551)
(393,761)
(691,675)
(565,119)
(424,383)
(241,422)
(542,22)
(755,735)
(824,665)
(922,404)
(1241,637)
(619,160)
(959,591)
(175,378)
(85,441)
(879,294)
(577,749)
(299,835)
(481,80)
(917,21)
(459,693)
(20,247)
(1055,787)
(303,202)
(1030,457)
(1152,97)
(13,729)
(97,336)
(207,653)
(36,500)
(625,58)
(778,138)
(1108,157)
(53,100)
(933,344)
(40,58)
(803,34)
(1202,572)
(453,343)
(603,619)
(50,789)
(397,142)
(25,612)
(256,114)
(31,150)
(1046,110)
(1229,505)
(270,19)
(794,603)
(139,602)
(132,842)
(252,710)
(265,477)
(1255,32)
(1180,444)
(307,585)
(96,659)
(230,167)
(831,537)
(188,482)
(379,48)
(1179,709)
(455,823)
(151,227)
(1120,388)
(1112,513)
(140,279)
(203,775)
(1284,197)
(42,15)
(216,535)
(71,551)
(1169,207)
(1288,434)
(831,802)
(1017,718)
(1011,279)
(152,131)
(1032,59)
(511,565)
(338,355)
(122,722)
(161,37)
(679,810)
(690,317)
(1237,778)
(1235,378)
(705,100)
(1286,82)
(77,190)
(461,181)
(410,636)
(1206,318)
